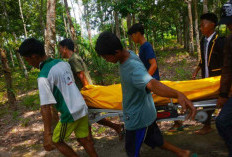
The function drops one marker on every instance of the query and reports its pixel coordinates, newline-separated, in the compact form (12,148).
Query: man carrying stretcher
(139,112)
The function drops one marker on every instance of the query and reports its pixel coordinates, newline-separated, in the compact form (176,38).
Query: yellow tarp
(110,97)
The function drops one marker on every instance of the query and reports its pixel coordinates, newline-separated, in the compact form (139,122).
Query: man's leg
(117,127)
(224,124)
(88,145)
(82,135)
(133,141)
(154,139)
(65,149)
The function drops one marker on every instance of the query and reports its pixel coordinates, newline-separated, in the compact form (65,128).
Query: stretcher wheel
(201,116)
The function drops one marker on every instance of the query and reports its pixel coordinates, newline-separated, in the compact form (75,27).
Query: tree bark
(133,18)
(21,15)
(186,46)
(117,28)
(128,27)
(197,31)
(7,74)
(50,32)
(41,18)
(87,14)
(191,44)
(205,6)
(72,29)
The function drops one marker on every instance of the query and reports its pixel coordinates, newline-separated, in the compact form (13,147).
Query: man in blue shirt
(146,52)
(139,111)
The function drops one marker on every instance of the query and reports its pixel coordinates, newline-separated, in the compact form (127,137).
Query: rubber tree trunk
(205,6)
(41,21)
(21,15)
(197,31)
(128,26)
(191,42)
(186,46)
(87,22)
(117,28)
(71,27)
(50,32)
(8,79)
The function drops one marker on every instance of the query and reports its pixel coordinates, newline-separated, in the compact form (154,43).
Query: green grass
(31,101)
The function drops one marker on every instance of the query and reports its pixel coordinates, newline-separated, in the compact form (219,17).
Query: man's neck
(142,40)
(70,53)
(124,56)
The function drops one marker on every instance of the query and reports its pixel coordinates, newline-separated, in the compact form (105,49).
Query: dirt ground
(20,140)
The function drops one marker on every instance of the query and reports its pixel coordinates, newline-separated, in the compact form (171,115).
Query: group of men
(139,78)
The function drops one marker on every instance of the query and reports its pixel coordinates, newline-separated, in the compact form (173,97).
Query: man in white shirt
(57,88)
(211,57)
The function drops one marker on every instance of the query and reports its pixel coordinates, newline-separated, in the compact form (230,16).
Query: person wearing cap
(224,119)
(211,57)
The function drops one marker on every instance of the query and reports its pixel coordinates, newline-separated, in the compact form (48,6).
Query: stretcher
(106,101)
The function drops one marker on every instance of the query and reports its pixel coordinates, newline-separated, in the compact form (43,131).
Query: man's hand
(221,101)
(187,104)
(48,144)
(194,75)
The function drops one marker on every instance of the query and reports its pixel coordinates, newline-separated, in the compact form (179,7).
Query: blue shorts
(150,135)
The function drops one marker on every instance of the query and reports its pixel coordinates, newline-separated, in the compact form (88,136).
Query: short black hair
(31,46)
(107,43)
(67,43)
(210,17)
(138,27)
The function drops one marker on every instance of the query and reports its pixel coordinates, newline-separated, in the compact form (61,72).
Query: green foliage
(31,101)
(15,115)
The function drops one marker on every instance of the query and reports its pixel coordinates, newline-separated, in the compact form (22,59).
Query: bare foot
(204,131)
(184,153)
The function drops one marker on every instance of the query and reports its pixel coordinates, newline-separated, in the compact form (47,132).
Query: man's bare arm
(165,91)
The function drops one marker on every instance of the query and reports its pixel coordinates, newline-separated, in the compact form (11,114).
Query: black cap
(226,13)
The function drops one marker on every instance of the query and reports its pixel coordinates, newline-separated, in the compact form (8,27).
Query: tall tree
(87,21)
(191,43)
(50,32)
(71,27)
(21,15)
(41,21)
(128,18)
(117,28)
(197,30)
(205,6)
(7,74)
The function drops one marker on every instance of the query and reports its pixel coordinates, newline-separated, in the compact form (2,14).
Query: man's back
(78,65)
(138,106)
(145,54)
(56,86)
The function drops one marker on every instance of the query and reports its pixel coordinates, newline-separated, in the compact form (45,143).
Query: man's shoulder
(48,66)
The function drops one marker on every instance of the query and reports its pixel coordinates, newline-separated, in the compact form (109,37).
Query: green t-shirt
(138,105)
(78,65)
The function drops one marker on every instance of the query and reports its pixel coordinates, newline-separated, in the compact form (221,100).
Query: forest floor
(21,132)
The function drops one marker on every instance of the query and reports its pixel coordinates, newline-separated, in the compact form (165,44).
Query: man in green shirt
(82,77)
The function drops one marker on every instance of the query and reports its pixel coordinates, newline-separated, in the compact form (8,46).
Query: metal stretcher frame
(96,115)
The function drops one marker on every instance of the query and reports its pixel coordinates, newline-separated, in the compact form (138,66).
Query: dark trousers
(224,124)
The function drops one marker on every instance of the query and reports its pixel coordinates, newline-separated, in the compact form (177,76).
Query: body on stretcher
(202,92)
(167,112)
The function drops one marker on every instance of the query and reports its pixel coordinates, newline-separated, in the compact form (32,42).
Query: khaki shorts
(63,130)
